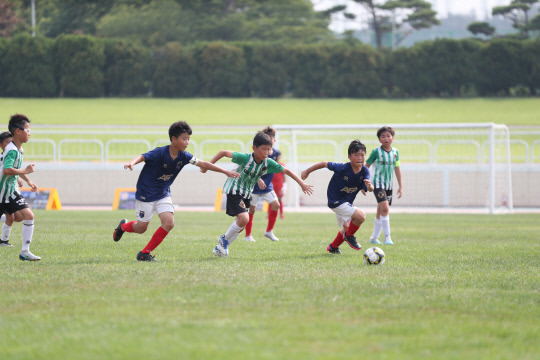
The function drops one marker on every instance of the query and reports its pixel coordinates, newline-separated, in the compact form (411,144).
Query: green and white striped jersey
(383,163)
(12,157)
(249,172)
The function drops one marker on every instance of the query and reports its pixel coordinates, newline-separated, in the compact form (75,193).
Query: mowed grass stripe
(260,112)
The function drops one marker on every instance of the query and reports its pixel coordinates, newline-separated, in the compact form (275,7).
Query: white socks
(377,227)
(6,231)
(385,222)
(27,232)
(233,232)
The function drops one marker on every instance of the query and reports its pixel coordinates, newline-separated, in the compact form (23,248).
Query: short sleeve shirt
(345,184)
(250,171)
(159,172)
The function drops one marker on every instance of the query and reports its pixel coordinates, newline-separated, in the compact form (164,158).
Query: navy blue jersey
(345,184)
(159,172)
(267,178)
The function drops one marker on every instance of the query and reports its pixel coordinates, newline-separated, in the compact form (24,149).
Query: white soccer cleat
(28,256)
(388,240)
(221,248)
(249,238)
(271,236)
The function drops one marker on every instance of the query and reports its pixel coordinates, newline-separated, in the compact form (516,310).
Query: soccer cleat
(249,238)
(144,257)
(351,240)
(118,232)
(375,241)
(333,250)
(388,240)
(5,243)
(221,249)
(271,236)
(28,256)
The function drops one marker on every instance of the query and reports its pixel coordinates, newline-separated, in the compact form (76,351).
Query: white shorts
(269,197)
(344,213)
(145,210)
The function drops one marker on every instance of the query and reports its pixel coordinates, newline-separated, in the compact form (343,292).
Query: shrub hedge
(85,66)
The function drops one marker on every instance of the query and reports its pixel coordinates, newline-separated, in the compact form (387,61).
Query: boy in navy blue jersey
(265,190)
(348,179)
(161,167)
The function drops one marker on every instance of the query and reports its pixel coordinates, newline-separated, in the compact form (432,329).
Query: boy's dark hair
(355,146)
(261,139)
(383,129)
(178,128)
(270,131)
(17,121)
(5,135)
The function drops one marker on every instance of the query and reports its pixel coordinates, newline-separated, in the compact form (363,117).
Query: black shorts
(15,204)
(383,195)
(236,204)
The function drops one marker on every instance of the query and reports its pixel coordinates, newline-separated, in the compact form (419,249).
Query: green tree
(187,22)
(518,13)
(27,68)
(222,70)
(483,28)
(175,72)
(9,18)
(79,64)
(397,17)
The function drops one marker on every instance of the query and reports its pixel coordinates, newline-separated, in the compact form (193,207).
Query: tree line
(86,66)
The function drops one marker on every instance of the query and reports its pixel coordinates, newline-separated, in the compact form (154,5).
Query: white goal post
(454,166)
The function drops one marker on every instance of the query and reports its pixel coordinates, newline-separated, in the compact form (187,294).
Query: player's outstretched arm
(219,155)
(137,159)
(304,174)
(206,165)
(307,189)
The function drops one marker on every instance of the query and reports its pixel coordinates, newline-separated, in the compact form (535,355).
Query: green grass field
(453,287)
(262,112)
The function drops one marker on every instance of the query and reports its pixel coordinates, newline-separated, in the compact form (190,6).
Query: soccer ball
(374,256)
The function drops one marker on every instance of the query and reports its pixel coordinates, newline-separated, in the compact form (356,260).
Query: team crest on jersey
(164,166)
(165,177)
(178,165)
(264,168)
(346,178)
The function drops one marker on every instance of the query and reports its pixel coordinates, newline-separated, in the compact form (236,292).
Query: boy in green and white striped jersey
(238,190)
(11,201)
(385,160)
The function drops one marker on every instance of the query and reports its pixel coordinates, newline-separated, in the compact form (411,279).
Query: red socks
(352,229)
(249,225)
(338,240)
(128,227)
(272,216)
(156,239)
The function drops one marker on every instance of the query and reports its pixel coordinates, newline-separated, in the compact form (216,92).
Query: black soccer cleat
(351,240)
(144,257)
(5,243)
(333,250)
(118,232)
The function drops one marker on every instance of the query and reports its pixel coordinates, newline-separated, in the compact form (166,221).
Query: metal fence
(112,145)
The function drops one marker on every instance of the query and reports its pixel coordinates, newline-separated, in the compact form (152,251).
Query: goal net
(453,166)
